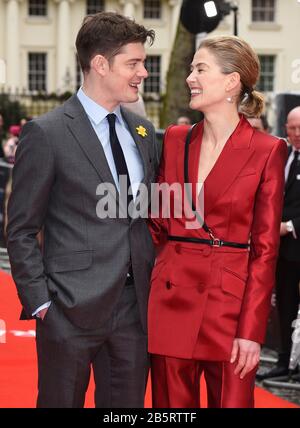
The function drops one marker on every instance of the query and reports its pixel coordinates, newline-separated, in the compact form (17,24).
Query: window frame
(153,74)
(96,10)
(37,6)
(35,75)
(151,10)
(263,10)
(266,75)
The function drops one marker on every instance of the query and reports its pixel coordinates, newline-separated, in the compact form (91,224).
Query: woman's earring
(229,99)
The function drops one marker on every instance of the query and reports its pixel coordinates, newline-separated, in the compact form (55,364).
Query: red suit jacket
(202,297)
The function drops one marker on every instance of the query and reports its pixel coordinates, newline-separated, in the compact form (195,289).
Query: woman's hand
(247,352)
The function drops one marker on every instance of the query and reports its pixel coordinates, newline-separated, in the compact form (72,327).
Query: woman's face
(206,81)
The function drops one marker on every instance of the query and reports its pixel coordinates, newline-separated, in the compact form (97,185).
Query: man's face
(183,120)
(125,74)
(293,129)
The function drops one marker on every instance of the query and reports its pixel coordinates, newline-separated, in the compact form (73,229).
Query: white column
(12,43)
(129,7)
(174,14)
(2,71)
(63,46)
(199,39)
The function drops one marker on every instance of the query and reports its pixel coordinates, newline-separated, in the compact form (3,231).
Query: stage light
(210,9)
(200,16)
(194,17)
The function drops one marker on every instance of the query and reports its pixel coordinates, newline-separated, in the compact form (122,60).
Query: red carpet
(18,373)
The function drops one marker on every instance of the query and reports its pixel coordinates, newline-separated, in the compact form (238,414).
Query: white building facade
(37,40)
(272,27)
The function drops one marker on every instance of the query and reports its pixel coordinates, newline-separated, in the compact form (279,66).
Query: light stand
(225,9)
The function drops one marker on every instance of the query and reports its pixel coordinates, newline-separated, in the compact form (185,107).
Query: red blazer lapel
(231,161)
(180,143)
(194,152)
(194,156)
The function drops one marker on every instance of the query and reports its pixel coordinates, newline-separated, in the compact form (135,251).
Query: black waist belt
(212,242)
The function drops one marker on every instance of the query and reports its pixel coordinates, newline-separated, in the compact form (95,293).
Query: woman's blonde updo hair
(235,55)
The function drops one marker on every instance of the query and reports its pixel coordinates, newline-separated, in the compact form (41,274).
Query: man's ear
(233,81)
(99,64)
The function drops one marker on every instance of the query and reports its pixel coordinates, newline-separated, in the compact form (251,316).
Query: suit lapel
(83,132)
(194,152)
(79,125)
(234,156)
(142,144)
(194,149)
(194,156)
(140,141)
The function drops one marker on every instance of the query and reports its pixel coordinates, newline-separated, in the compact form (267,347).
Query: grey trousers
(117,352)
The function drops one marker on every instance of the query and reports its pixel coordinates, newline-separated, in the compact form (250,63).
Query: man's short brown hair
(105,33)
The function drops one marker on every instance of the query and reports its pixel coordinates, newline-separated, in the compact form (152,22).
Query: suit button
(168,285)
(178,248)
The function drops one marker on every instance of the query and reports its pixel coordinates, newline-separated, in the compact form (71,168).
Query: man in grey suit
(88,285)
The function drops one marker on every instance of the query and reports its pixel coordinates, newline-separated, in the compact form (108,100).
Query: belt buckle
(216,242)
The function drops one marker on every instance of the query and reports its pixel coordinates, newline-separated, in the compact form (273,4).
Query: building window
(37,71)
(267,73)
(263,10)
(78,73)
(152,9)
(153,66)
(94,6)
(37,7)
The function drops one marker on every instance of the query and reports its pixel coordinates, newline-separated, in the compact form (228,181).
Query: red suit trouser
(176,384)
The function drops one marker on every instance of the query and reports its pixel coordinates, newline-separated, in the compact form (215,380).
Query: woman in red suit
(211,285)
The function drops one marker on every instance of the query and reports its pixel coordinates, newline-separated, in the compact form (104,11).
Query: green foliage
(11,110)
(177,97)
(42,96)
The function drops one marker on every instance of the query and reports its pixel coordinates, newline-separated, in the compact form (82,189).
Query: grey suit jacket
(85,259)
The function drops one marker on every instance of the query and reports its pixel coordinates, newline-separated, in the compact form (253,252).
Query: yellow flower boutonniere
(141,131)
